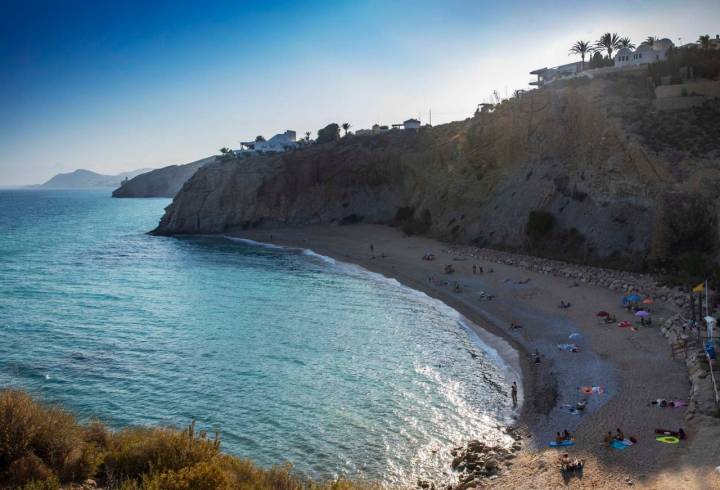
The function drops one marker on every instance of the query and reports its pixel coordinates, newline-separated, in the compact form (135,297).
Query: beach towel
(668,439)
(592,390)
(620,445)
(561,444)
(568,347)
(624,324)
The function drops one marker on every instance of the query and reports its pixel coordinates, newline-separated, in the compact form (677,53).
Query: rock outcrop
(163,182)
(580,156)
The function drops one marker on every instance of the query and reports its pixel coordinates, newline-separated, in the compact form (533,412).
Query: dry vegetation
(45,448)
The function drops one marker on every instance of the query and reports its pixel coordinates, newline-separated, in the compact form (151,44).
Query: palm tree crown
(704,41)
(626,43)
(345,127)
(650,40)
(582,48)
(608,42)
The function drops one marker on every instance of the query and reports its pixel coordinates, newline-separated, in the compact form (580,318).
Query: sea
(291,356)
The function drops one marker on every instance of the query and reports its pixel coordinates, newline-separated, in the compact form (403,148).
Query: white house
(644,54)
(411,124)
(276,144)
(547,75)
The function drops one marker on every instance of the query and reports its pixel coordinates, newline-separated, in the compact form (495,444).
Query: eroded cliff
(587,169)
(163,182)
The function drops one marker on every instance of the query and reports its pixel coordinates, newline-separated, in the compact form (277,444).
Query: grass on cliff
(45,448)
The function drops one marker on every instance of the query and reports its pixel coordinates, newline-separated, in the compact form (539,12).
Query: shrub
(40,447)
(539,224)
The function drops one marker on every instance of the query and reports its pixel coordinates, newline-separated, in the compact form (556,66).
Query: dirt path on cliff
(634,367)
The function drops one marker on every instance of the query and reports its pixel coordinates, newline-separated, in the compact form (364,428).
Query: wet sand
(633,366)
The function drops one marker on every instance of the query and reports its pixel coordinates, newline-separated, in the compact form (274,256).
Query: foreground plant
(42,448)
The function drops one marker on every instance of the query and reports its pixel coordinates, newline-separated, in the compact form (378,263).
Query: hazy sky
(118,85)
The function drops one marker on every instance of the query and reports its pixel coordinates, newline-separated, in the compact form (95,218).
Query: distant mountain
(81,179)
(163,182)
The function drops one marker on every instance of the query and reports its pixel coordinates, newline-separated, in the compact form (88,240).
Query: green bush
(539,224)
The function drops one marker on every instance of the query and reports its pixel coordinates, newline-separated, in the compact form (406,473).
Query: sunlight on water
(294,357)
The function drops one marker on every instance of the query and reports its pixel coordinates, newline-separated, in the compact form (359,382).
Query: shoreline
(634,366)
(493,340)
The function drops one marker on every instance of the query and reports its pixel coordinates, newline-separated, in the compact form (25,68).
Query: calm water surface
(292,357)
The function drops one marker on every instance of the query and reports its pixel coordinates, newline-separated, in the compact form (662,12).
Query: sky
(113,86)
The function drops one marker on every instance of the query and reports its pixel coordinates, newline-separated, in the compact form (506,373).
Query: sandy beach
(634,366)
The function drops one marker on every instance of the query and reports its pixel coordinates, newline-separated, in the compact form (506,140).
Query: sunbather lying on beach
(564,305)
(663,403)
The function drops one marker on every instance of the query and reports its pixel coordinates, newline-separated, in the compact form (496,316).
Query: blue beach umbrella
(632,298)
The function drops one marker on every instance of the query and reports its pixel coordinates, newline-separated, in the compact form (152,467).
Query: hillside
(163,182)
(584,169)
(82,178)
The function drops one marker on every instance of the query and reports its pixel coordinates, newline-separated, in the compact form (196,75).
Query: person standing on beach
(513,394)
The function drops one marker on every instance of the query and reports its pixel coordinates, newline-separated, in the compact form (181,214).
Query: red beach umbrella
(648,301)
(602,313)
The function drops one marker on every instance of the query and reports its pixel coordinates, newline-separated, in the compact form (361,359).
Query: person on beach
(558,438)
(619,435)
(474,269)
(609,438)
(536,355)
(513,394)
(566,435)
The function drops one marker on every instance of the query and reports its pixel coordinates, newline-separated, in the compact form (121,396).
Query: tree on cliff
(307,137)
(582,48)
(345,127)
(626,43)
(225,150)
(259,139)
(650,40)
(328,134)
(608,42)
(704,41)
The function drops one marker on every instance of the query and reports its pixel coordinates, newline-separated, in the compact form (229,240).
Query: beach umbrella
(602,313)
(574,335)
(632,298)
(648,301)
(642,313)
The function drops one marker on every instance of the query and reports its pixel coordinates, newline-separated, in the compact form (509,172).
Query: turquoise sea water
(291,356)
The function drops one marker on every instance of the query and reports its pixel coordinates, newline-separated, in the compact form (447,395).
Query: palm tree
(225,150)
(650,40)
(608,42)
(626,43)
(307,136)
(582,48)
(704,41)
(345,127)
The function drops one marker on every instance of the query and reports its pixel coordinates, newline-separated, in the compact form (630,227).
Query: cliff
(163,182)
(82,179)
(585,169)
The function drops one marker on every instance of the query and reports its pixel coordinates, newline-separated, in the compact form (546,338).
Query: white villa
(277,144)
(546,75)
(644,54)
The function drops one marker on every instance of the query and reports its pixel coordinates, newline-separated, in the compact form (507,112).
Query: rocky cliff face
(163,182)
(604,174)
